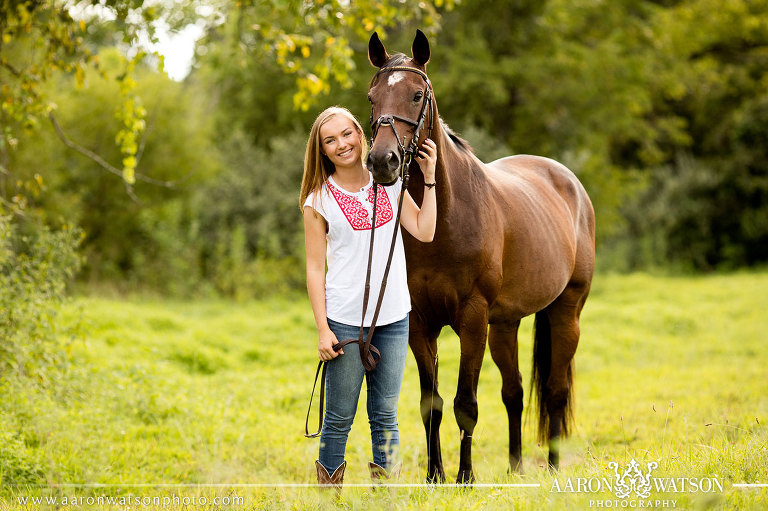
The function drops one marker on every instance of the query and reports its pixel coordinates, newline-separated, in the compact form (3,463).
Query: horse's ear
(420,48)
(377,54)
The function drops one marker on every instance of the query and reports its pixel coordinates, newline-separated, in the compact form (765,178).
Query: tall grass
(669,369)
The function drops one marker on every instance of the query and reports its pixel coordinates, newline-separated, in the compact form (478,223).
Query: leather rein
(369,354)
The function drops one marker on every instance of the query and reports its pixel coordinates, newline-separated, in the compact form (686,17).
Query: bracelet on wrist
(430,185)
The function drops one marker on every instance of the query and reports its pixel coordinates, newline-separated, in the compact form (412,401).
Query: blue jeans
(343,381)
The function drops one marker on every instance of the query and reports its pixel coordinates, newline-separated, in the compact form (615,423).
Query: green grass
(671,370)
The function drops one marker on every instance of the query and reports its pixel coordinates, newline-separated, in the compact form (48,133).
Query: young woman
(336,198)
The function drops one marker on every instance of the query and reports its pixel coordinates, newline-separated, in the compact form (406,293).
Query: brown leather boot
(379,474)
(330,481)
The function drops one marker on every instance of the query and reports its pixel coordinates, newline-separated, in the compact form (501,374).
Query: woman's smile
(341,141)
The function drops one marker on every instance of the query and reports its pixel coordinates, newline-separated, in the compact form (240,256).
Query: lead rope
(367,351)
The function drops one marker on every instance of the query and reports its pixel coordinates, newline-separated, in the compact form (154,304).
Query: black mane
(457,140)
(398,59)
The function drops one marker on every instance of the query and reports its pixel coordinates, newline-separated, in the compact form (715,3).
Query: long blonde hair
(317,166)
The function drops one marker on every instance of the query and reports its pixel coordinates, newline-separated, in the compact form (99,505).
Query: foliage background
(176,197)
(660,108)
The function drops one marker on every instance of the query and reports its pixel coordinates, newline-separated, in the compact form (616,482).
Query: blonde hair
(317,166)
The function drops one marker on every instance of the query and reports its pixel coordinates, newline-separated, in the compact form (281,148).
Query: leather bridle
(389,119)
(369,354)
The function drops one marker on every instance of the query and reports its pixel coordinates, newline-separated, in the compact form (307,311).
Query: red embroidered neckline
(355,212)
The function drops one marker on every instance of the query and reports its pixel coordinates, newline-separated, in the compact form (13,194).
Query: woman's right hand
(325,345)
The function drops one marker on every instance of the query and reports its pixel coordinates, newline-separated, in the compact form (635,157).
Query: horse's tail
(542,363)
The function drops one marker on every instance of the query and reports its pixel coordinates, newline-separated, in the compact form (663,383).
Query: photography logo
(632,480)
(635,486)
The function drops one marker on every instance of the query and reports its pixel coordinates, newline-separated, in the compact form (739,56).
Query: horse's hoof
(515,466)
(436,476)
(465,477)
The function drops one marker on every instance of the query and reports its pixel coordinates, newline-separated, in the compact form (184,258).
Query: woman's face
(340,141)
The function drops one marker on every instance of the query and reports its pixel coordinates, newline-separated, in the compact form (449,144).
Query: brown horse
(514,237)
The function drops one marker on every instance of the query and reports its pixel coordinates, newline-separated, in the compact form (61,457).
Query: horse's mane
(398,59)
(459,142)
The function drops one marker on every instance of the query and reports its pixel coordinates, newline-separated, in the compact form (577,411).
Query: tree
(658,106)
(314,41)
(705,206)
(141,235)
(310,40)
(115,157)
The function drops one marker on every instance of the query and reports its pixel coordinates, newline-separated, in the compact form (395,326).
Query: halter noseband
(389,119)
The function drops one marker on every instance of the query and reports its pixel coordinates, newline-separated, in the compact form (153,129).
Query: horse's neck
(451,171)
(444,188)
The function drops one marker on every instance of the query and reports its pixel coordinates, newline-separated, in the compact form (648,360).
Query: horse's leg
(424,347)
(473,330)
(563,315)
(502,340)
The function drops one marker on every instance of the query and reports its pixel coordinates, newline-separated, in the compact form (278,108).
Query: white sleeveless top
(349,235)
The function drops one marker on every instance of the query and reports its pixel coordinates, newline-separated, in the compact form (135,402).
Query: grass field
(213,395)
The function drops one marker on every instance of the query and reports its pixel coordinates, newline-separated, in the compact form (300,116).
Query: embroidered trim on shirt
(357,214)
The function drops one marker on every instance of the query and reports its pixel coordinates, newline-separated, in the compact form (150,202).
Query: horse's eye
(418,96)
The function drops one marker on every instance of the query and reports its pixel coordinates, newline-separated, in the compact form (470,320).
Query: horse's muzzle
(385,166)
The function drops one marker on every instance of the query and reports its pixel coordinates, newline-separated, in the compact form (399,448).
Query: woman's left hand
(421,221)
(427,160)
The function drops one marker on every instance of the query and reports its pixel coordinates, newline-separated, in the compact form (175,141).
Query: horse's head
(401,107)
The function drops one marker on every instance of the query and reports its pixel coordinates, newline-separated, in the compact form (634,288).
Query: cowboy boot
(330,481)
(379,474)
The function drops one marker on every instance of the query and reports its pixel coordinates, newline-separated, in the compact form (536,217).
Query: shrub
(34,271)
(18,463)
(251,227)
(698,214)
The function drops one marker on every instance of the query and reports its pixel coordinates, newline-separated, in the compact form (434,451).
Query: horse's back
(535,169)
(542,179)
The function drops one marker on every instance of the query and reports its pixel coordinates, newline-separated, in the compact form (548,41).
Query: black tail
(542,363)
